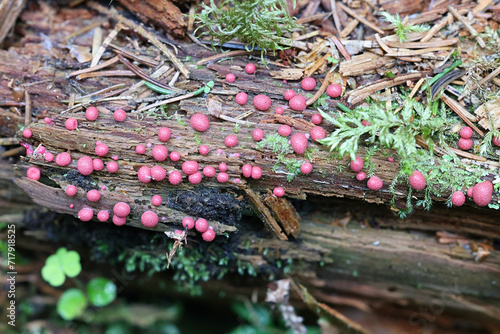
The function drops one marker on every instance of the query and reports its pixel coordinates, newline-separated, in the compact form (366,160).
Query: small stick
(140,73)
(446,20)
(468,26)
(112,34)
(27,110)
(321,90)
(133,56)
(84,30)
(113,73)
(335,15)
(9,141)
(460,111)
(114,14)
(226,54)
(349,28)
(96,41)
(12,152)
(413,92)
(94,68)
(360,18)
(175,99)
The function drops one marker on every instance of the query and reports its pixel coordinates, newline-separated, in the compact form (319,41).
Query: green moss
(258,23)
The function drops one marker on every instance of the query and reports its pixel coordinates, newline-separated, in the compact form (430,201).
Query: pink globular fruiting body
(317,133)
(119,221)
(284,130)
(98,164)
(199,122)
(114,157)
(71,124)
(48,121)
(334,90)
(160,152)
(195,178)
(101,150)
(357,165)
(63,159)
(297,103)
(27,133)
(209,171)
(149,219)
(164,134)
(360,176)
(175,156)
(470,192)
(33,173)
(201,225)
(262,102)
(140,149)
(158,173)
(246,170)
(299,143)
(417,180)
(93,195)
(144,174)
(465,144)
(289,94)
(85,165)
(121,209)
(458,198)
(278,192)
(496,141)
(190,167)
(365,123)
(256,172)
(188,223)
(223,167)
(156,200)
(120,115)
(308,83)
(49,157)
(175,177)
(390,159)
(375,183)
(85,214)
(258,134)
(316,119)
(306,168)
(41,150)
(279,110)
(112,166)
(482,193)
(231,141)
(71,190)
(466,132)
(241,98)
(230,77)
(91,114)
(103,215)
(250,68)
(222,177)
(208,235)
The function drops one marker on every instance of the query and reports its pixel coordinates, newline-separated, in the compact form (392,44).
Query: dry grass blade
(361,19)
(460,111)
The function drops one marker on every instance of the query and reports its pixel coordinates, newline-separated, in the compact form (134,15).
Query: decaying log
(346,252)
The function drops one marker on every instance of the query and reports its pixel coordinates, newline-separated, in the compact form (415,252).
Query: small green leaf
(71,304)
(53,275)
(206,90)
(71,264)
(101,291)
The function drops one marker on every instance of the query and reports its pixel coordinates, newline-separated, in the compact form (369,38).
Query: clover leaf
(101,291)
(72,304)
(61,264)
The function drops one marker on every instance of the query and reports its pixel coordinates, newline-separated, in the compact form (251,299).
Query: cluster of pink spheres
(191,168)
(201,225)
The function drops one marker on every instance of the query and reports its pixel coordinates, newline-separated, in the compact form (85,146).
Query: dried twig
(114,14)
(468,26)
(360,18)
(321,90)
(460,111)
(27,110)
